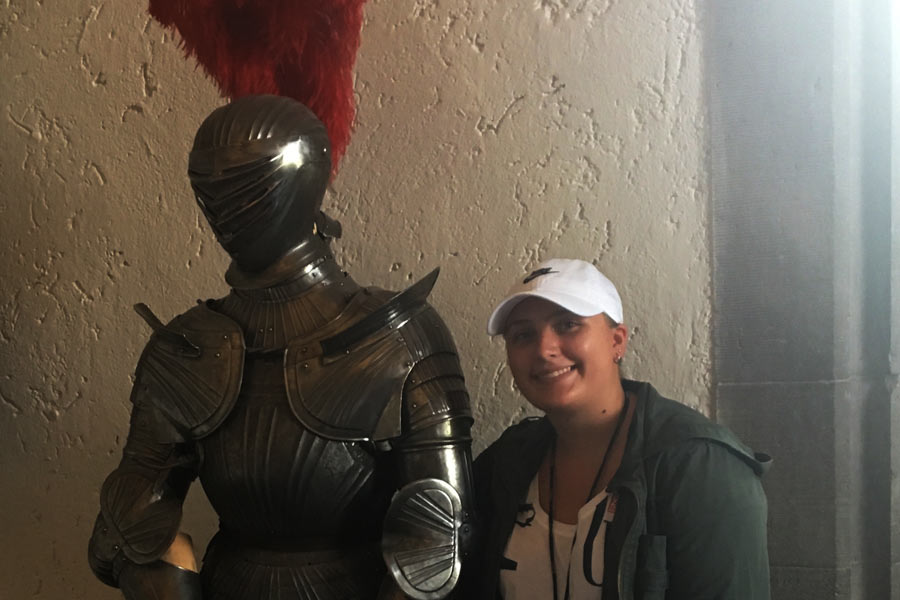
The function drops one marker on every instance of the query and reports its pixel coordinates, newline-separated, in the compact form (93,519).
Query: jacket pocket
(652,576)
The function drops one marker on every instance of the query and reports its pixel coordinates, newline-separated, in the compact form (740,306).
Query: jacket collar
(658,424)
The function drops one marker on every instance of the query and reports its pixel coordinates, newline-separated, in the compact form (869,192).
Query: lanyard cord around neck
(551,540)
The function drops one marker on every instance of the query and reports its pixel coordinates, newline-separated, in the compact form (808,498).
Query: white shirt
(528,547)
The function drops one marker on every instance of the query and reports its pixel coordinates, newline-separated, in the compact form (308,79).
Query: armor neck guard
(271,317)
(302,267)
(322,271)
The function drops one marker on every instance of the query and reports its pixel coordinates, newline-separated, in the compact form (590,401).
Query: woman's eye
(519,337)
(567,325)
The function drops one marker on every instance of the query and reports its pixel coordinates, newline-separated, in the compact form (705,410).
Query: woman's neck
(585,457)
(583,430)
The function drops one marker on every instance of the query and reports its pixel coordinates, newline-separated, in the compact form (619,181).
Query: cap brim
(497,320)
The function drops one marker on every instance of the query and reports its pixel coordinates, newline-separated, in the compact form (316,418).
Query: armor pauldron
(420,543)
(369,362)
(389,315)
(191,369)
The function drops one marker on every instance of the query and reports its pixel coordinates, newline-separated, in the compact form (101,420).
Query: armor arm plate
(428,523)
(141,500)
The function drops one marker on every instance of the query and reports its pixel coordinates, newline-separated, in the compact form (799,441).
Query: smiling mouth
(551,375)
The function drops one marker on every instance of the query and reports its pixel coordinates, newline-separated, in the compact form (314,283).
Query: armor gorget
(302,293)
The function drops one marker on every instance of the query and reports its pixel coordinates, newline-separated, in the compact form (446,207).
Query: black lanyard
(551,541)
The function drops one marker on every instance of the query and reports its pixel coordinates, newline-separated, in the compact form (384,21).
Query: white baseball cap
(575,285)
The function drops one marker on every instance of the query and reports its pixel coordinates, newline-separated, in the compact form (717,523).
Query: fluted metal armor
(328,422)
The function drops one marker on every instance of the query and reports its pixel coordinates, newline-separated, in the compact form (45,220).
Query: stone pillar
(893,379)
(799,99)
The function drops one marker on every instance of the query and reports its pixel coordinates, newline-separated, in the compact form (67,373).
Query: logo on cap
(537,273)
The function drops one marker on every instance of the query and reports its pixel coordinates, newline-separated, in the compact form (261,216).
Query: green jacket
(691,519)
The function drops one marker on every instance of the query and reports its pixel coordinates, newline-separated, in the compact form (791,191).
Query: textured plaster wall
(490,135)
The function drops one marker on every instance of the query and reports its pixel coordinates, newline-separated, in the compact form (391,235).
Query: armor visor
(251,187)
(259,167)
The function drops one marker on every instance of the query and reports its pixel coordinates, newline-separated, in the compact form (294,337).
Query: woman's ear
(620,338)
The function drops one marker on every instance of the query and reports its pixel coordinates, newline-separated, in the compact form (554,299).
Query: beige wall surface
(490,135)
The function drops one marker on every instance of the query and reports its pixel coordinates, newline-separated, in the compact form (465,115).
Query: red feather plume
(304,49)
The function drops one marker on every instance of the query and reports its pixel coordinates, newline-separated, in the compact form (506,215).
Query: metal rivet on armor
(304,349)
(104,530)
(224,337)
(218,354)
(271,329)
(261,330)
(414,405)
(305,365)
(116,547)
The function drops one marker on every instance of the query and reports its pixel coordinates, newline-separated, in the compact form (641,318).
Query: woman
(617,492)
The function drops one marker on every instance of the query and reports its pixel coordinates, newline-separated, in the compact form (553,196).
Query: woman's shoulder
(527,430)
(667,425)
(518,441)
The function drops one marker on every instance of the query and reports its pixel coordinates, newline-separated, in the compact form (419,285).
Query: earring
(617,360)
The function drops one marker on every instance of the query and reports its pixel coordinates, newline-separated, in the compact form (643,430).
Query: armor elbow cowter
(139,517)
(421,539)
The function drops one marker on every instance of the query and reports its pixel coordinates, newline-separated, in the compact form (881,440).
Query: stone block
(794,423)
(803,583)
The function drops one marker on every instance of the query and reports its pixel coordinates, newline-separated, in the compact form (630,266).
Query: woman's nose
(549,343)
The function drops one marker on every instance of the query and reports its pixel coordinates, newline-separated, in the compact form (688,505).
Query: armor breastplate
(272,481)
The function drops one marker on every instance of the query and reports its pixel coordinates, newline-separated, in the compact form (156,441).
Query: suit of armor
(328,422)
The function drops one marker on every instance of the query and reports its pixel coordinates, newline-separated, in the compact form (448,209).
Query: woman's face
(559,360)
